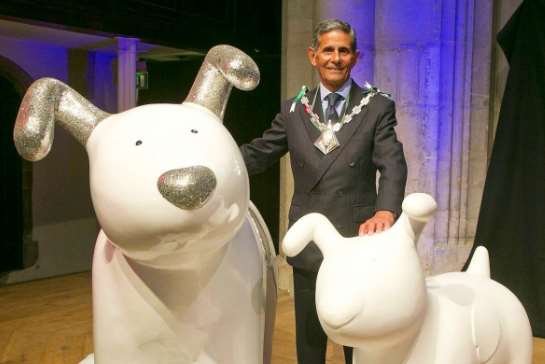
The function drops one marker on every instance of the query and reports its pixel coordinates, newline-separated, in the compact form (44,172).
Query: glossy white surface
(183,268)
(124,178)
(211,314)
(174,285)
(371,294)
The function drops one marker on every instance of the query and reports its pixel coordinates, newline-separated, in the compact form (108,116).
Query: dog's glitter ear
(223,67)
(48,101)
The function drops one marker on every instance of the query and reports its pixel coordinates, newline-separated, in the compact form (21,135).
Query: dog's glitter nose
(187,188)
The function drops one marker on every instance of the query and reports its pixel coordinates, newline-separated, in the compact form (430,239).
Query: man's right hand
(382,220)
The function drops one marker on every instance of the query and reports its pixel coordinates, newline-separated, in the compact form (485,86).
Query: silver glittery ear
(48,100)
(223,67)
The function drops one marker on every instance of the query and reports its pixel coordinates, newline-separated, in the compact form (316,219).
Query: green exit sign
(142,80)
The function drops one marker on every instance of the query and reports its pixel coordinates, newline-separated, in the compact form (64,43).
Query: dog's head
(370,290)
(166,180)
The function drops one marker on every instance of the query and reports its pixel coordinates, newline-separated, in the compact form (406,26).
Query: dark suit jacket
(342,184)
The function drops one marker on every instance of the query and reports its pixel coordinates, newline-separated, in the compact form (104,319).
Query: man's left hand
(381,221)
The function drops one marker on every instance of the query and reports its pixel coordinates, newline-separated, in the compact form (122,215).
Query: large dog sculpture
(183,267)
(371,294)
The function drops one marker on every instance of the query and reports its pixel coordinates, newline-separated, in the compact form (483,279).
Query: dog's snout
(187,188)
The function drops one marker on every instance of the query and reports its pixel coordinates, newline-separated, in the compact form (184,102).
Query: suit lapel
(312,132)
(344,135)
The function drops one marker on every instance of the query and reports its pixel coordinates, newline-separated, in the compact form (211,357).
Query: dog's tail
(480,263)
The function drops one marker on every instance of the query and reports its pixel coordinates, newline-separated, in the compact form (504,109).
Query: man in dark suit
(338,135)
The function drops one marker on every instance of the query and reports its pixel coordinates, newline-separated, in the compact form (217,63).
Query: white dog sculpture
(183,268)
(371,294)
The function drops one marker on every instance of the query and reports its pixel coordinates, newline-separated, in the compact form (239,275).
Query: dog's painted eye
(194,131)
(138,142)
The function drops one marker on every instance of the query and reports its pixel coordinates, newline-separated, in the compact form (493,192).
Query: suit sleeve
(262,152)
(389,159)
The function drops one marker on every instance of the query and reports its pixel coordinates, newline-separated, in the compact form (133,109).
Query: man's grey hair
(329,25)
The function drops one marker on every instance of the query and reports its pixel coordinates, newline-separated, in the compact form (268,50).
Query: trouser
(310,337)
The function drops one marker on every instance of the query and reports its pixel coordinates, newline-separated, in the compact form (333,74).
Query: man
(338,136)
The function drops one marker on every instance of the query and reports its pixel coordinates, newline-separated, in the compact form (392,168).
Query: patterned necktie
(331,111)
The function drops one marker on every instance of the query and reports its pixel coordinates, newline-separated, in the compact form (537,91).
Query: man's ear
(311,54)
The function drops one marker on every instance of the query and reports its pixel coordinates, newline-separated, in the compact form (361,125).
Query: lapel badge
(297,98)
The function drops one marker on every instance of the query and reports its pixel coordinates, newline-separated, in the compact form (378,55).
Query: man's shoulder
(286,105)
(382,100)
(379,98)
(288,101)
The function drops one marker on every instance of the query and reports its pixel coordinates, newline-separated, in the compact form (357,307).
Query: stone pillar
(407,65)
(126,73)
(478,150)
(297,25)
(464,117)
(435,61)
(101,80)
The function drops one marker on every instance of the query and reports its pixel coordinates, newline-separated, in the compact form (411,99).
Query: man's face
(334,58)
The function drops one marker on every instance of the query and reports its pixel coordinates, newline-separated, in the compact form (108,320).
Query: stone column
(297,25)
(101,80)
(126,73)
(407,65)
(435,61)
(478,150)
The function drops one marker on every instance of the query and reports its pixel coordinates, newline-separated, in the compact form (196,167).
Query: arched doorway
(16,247)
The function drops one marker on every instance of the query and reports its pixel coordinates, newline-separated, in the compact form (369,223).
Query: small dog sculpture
(183,267)
(371,294)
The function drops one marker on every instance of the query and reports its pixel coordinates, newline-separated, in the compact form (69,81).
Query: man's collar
(344,90)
